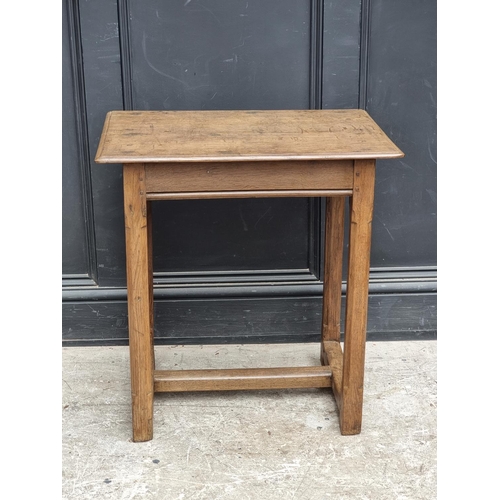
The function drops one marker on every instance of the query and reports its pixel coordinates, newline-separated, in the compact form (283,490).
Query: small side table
(170,155)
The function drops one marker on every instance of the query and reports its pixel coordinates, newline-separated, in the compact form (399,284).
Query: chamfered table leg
(150,277)
(361,210)
(332,282)
(140,300)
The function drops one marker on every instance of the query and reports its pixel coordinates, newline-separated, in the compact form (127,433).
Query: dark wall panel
(220,55)
(224,55)
(241,54)
(74,249)
(341,45)
(401,97)
(271,320)
(103,89)
(220,235)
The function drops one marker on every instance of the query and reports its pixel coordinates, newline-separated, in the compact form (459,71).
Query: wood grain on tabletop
(189,136)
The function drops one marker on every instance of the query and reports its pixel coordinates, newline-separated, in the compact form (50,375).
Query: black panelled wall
(247,270)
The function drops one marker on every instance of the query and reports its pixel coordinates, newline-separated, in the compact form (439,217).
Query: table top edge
(390,151)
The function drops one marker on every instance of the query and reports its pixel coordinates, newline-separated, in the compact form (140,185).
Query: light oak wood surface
(242,379)
(140,299)
(247,154)
(360,216)
(208,136)
(249,176)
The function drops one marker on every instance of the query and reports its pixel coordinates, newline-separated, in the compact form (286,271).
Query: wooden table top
(199,136)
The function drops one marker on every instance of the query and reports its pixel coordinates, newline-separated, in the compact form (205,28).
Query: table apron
(249,178)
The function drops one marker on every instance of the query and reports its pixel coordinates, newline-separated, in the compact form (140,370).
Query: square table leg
(140,299)
(331,352)
(332,282)
(361,210)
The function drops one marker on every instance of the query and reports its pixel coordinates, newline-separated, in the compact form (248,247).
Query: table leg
(140,300)
(332,287)
(361,210)
(150,277)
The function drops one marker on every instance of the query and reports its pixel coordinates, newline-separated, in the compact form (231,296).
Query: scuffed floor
(263,445)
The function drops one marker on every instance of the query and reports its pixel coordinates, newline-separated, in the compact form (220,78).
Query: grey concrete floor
(265,445)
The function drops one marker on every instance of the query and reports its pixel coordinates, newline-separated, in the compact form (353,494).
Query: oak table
(171,155)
